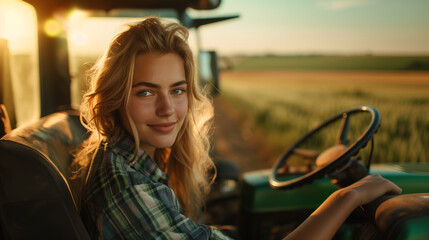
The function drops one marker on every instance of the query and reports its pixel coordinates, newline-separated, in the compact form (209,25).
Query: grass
(315,62)
(284,105)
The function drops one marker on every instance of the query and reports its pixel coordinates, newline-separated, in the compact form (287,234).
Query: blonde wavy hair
(187,162)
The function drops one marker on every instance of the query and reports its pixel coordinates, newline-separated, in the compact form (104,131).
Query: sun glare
(77,17)
(80,39)
(17,24)
(52,27)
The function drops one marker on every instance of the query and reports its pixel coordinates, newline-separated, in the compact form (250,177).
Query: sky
(398,27)
(319,26)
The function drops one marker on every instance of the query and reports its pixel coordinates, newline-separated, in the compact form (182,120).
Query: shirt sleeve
(150,211)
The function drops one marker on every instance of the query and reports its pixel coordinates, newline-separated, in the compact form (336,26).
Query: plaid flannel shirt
(124,200)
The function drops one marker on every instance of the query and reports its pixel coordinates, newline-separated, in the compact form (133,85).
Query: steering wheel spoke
(342,134)
(306,153)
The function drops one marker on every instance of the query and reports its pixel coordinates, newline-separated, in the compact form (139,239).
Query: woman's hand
(370,188)
(327,219)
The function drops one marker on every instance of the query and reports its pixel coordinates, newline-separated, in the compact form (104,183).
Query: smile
(163,127)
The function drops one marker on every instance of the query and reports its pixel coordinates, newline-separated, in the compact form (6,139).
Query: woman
(147,155)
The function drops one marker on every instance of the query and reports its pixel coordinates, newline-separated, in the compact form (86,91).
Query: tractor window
(19,76)
(88,38)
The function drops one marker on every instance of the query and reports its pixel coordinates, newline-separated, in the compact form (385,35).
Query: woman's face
(158,102)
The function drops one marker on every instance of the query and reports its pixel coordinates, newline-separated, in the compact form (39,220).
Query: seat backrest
(35,198)
(403,216)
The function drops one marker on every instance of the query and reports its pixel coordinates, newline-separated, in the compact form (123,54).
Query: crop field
(282,105)
(321,62)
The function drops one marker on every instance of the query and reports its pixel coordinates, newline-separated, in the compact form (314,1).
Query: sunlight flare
(17,24)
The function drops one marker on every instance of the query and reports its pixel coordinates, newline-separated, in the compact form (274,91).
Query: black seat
(35,198)
(401,216)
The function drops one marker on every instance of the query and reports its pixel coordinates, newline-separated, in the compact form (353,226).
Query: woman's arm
(324,222)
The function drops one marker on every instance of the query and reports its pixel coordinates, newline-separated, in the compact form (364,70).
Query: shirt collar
(122,143)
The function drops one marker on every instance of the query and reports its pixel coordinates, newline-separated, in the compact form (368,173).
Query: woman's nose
(164,105)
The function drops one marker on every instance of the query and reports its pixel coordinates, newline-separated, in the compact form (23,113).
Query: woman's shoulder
(109,171)
(116,154)
(113,177)
(109,162)
(114,165)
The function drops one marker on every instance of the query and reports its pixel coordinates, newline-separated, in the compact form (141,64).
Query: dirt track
(230,143)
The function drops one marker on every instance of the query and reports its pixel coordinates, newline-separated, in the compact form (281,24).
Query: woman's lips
(163,127)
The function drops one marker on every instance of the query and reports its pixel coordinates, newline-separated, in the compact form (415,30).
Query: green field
(280,106)
(316,62)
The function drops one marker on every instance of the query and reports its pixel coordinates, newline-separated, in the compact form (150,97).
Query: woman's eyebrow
(178,83)
(153,85)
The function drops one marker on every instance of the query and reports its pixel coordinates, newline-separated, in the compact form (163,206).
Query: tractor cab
(40,129)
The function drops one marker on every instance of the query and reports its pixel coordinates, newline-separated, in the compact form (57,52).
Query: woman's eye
(144,93)
(178,91)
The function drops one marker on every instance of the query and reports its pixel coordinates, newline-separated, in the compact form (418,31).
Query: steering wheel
(332,159)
